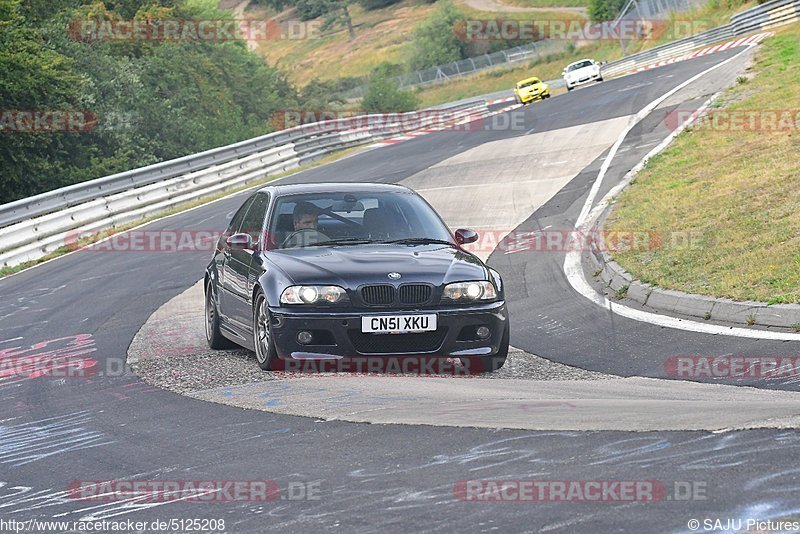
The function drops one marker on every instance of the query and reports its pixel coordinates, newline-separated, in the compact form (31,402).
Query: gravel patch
(188,373)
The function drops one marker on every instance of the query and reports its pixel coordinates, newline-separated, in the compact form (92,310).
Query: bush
(383,95)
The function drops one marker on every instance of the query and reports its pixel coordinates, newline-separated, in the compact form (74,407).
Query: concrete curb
(626,286)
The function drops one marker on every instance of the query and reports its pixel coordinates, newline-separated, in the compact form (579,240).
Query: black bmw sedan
(339,271)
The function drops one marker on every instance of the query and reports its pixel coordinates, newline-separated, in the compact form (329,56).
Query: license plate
(398,324)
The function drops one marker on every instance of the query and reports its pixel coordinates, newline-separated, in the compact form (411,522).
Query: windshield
(528,83)
(323,219)
(579,65)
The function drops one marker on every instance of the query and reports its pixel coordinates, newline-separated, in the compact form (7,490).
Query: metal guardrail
(66,214)
(41,204)
(668,50)
(767,15)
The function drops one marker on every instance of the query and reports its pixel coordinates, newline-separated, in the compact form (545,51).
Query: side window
(238,217)
(253,223)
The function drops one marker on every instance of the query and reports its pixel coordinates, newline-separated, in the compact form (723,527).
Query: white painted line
(572,263)
(647,144)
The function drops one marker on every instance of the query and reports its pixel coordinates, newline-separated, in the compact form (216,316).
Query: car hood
(352,266)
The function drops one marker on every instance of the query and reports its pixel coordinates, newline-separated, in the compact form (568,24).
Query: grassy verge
(6,271)
(735,190)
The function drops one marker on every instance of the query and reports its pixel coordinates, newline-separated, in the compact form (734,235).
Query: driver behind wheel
(305,216)
(305,219)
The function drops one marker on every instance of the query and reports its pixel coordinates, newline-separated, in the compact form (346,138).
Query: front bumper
(531,97)
(337,334)
(585,80)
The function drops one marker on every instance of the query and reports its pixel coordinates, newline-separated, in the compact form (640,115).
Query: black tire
(569,88)
(266,354)
(489,364)
(214,337)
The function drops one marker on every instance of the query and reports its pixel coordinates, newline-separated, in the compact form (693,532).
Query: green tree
(33,77)
(338,14)
(436,40)
(603,10)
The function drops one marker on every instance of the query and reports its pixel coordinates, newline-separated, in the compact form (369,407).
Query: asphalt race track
(375,477)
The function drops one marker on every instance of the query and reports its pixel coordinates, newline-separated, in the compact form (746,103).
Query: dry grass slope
(739,190)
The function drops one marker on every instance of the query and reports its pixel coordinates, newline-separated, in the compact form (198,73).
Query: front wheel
(266,354)
(214,337)
(488,364)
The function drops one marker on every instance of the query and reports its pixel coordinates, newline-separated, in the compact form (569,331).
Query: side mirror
(240,241)
(465,236)
(564,72)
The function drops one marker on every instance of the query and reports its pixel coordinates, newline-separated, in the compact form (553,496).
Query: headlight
(313,295)
(469,292)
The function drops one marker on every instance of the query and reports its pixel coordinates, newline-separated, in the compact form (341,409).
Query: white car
(580,72)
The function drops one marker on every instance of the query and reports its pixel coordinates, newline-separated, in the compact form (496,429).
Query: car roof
(335,187)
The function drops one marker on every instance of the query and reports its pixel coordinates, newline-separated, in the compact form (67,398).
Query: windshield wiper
(345,241)
(418,241)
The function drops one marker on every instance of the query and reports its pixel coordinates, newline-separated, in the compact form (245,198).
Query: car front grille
(414,293)
(378,295)
(397,343)
(386,295)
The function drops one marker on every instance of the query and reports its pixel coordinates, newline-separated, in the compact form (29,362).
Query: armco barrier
(71,195)
(767,15)
(110,202)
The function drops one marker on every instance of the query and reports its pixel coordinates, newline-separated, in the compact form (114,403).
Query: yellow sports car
(531,89)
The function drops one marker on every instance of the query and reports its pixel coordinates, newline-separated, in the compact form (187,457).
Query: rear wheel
(488,364)
(266,354)
(214,337)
